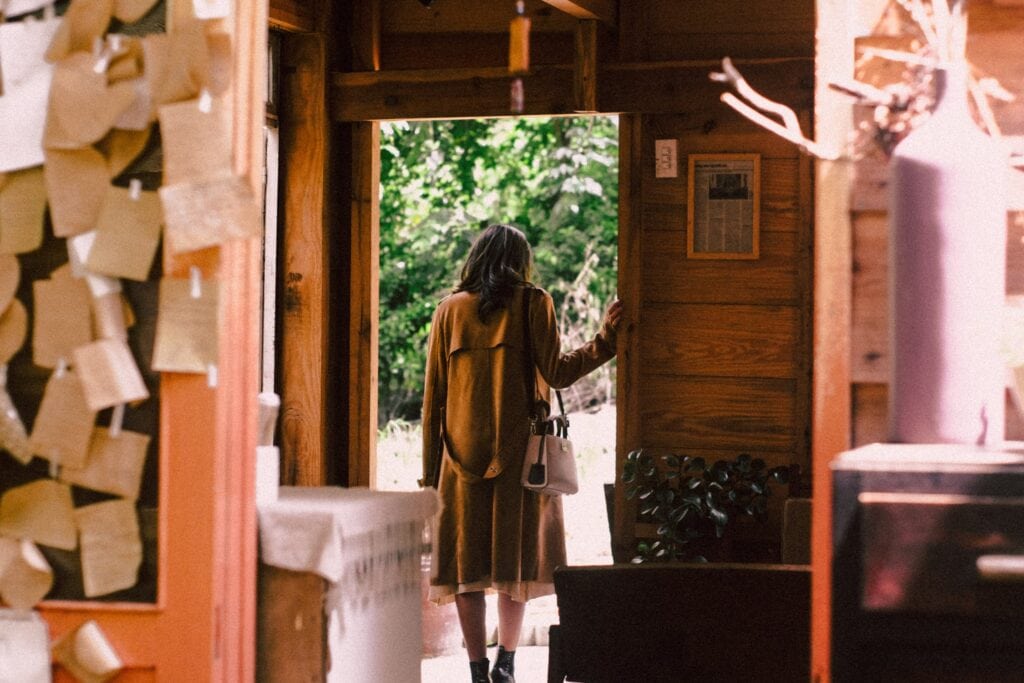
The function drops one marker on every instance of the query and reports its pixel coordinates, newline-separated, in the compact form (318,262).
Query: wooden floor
(531,666)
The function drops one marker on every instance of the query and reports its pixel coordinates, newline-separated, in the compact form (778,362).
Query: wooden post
(364,316)
(839,23)
(304,153)
(585,68)
(628,428)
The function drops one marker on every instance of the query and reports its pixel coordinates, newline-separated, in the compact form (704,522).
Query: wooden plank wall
(995,48)
(721,349)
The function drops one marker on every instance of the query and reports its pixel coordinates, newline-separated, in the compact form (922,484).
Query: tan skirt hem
(520,591)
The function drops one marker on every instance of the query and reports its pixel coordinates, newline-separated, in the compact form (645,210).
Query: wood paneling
(716,340)
(469,16)
(683,17)
(771,280)
(780,206)
(695,29)
(719,412)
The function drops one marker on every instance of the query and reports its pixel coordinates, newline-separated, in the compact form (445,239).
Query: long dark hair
(499,261)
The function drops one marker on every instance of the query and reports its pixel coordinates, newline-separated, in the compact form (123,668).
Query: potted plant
(693,502)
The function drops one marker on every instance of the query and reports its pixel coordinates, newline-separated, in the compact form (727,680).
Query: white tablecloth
(367,544)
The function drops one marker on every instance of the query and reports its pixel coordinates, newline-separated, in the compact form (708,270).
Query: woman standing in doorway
(491,533)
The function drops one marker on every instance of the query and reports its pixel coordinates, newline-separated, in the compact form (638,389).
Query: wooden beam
(364,318)
(304,154)
(293,16)
(602,10)
(662,87)
(585,71)
(366,35)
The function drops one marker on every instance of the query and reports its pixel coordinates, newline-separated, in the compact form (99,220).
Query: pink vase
(947,276)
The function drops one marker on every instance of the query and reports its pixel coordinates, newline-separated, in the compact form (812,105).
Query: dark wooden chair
(682,622)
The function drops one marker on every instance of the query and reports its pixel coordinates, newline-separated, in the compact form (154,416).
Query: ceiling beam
(602,10)
(651,87)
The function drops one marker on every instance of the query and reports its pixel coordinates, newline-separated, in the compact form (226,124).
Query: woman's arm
(559,369)
(435,387)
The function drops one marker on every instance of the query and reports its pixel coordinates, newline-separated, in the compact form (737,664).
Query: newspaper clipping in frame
(724,206)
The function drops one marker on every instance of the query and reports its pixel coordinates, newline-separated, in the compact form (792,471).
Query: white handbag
(550,463)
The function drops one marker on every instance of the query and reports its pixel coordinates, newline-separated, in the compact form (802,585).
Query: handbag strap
(529,368)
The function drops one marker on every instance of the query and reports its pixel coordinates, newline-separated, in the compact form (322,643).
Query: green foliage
(443,181)
(693,501)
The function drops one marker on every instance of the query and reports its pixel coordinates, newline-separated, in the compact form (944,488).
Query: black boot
(504,666)
(478,669)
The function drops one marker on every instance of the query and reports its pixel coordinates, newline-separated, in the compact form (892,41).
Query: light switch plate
(665,158)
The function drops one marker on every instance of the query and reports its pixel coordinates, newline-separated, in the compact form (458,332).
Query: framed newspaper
(723,209)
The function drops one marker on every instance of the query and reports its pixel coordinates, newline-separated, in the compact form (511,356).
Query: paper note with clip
(210,212)
(111,546)
(76,181)
(114,464)
(186,326)
(62,318)
(26,88)
(25,575)
(127,234)
(24,647)
(22,205)
(41,511)
(109,374)
(63,427)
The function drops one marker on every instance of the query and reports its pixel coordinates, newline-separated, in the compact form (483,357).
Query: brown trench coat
(490,532)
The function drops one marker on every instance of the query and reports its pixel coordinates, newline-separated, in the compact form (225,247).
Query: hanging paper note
(24,647)
(127,234)
(62,318)
(108,317)
(25,575)
(186,326)
(84,22)
(211,9)
(13,437)
(197,144)
(10,274)
(176,62)
(41,511)
(207,213)
(15,8)
(26,88)
(76,181)
(22,204)
(109,374)
(87,654)
(111,547)
(13,327)
(63,427)
(122,147)
(130,11)
(83,106)
(114,465)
